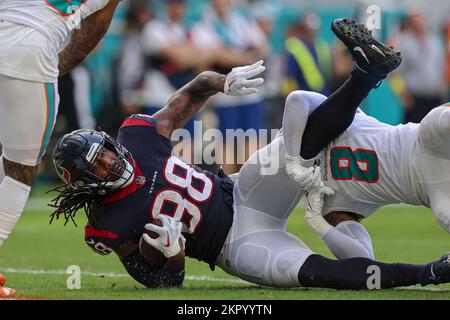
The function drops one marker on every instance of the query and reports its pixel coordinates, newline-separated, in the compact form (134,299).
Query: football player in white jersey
(374,164)
(40,39)
(370,165)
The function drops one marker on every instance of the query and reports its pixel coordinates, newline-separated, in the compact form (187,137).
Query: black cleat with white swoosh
(370,55)
(437,272)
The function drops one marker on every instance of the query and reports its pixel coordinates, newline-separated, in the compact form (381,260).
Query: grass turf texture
(36,256)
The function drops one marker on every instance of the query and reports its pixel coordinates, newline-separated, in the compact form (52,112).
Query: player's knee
(253,262)
(435,125)
(22,173)
(286,265)
(305,99)
(298,98)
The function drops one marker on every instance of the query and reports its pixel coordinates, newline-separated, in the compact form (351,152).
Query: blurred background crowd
(155,47)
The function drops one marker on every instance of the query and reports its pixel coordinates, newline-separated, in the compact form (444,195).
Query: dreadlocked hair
(70,200)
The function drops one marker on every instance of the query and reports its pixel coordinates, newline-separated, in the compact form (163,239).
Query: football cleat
(438,272)
(7,292)
(370,55)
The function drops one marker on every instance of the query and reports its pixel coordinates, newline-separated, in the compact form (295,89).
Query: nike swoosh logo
(433,276)
(374,47)
(358,49)
(231,83)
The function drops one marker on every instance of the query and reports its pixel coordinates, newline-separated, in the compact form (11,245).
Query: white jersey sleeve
(54,19)
(369,165)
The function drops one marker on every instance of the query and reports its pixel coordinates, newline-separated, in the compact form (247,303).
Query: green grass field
(36,256)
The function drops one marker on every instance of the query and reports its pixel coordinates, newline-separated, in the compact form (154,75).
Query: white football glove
(169,234)
(238,82)
(314,205)
(306,178)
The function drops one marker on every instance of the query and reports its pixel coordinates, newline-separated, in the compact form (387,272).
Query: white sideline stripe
(114,275)
(189,278)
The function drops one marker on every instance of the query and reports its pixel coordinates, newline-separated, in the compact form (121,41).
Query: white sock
(13,198)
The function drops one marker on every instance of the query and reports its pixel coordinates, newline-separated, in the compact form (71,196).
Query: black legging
(334,115)
(356,273)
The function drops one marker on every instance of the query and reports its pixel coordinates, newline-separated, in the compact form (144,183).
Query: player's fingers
(252,66)
(153,227)
(178,227)
(165,220)
(327,191)
(253,72)
(245,91)
(150,241)
(253,82)
(182,241)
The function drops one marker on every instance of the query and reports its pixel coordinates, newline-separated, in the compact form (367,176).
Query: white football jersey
(54,19)
(371,164)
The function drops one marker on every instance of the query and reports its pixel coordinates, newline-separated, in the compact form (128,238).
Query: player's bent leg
(298,107)
(22,173)
(27,116)
(374,61)
(269,258)
(264,186)
(434,130)
(363,273)
(14,191)
(439,198)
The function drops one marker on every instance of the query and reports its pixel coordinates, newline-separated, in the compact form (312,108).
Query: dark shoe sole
(353,34)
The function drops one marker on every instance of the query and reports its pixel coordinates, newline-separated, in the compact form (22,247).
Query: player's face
(106,166)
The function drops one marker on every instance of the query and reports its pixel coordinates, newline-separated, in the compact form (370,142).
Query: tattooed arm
(85,39)
(188,100)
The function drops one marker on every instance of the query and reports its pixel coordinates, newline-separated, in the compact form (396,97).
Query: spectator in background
(131,59)
(422,68)
(266,13)
(236,40)
(342,65)
(308,61)
(171,58)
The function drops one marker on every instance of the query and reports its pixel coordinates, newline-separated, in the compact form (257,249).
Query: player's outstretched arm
(341,231)
(188,100)
(85,39)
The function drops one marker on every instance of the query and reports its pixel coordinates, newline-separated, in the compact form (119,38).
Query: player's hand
(315,200)
(238,81)
(169,235)
(306,178)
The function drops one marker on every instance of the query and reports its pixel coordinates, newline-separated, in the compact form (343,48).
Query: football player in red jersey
(125,183)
